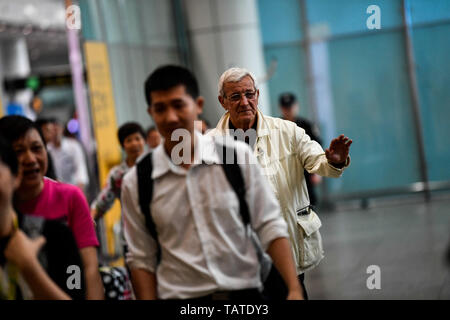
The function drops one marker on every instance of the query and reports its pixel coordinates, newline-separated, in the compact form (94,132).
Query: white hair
(234,74)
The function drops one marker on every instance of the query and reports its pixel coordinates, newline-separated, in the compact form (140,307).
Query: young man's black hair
(8,156)
(129,128)
(169,76)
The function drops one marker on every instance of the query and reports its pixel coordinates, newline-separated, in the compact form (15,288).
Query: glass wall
(362,85)
(431,41)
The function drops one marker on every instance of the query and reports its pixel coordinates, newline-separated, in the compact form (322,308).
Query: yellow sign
(102,104)
(105,125)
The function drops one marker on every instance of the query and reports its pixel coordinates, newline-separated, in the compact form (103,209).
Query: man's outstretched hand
(338,151)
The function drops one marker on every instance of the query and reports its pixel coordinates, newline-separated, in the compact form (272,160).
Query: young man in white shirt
(206,250)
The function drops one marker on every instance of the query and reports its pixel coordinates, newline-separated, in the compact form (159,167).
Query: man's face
(289,112)
(32,158)
(59,130)
(174,109)
(153,139)
(48,130)
(241,100)
(134,145)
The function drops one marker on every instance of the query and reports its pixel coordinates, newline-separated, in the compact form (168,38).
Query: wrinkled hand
(338,151)
(295,295)
(21,249)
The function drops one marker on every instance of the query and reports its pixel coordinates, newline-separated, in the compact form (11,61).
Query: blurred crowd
(207,213)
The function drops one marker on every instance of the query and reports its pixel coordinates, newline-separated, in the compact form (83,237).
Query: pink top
(59,200)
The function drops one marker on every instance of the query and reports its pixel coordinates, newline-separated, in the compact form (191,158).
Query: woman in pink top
(40,196)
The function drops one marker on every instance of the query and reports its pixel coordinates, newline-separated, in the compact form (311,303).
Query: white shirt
(205,247)
(69,162)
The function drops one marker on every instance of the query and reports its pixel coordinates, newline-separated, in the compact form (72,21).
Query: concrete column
(15,58)
(224,34)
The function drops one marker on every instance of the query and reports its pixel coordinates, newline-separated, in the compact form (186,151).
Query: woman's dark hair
(167,77)
(128,129)
(8,156)
(15,127)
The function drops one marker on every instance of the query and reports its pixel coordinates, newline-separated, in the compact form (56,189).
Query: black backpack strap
(234,176)
(144,170)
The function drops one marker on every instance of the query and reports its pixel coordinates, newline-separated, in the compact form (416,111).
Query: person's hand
(338,151)
(21,250)
(94,213)
(295,295)
(316,179)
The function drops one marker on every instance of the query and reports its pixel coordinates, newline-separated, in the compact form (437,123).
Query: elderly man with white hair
(283,150)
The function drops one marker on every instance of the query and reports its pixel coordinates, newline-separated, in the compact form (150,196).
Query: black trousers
(301,279)
(275,288)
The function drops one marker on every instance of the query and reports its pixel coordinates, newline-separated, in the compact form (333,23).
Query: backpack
(274,286)
(59,252)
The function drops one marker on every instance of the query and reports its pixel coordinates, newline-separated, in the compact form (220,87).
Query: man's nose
(171,115)
(136,143)
(244,100)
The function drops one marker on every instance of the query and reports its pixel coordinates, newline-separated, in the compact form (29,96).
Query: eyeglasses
(250,95)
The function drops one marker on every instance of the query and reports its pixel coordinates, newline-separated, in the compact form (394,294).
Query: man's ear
(222,103)
(149,111)
(200,101)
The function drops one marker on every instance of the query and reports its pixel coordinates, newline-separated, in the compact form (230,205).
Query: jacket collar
(204,152)
(262,129)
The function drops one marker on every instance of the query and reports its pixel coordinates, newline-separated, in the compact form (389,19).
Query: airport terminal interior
(376,71)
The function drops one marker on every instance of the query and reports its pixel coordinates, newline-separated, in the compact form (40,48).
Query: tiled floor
(407,241)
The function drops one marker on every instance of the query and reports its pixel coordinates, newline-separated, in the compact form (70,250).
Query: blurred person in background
(131,137)
(289,109)
(68,158)
(153,138)
(21,274)
(132,140)
(42,197)
(48,131)
(284,151)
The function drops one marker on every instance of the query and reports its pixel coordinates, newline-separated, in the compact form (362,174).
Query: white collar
(204,152)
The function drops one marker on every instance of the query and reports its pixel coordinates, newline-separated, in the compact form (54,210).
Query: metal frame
(306,44)
(414,91)
(414,188)
(181,32)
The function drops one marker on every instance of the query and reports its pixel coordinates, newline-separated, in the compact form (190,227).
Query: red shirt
(64,201)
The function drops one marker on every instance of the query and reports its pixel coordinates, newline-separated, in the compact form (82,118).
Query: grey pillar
(224,34)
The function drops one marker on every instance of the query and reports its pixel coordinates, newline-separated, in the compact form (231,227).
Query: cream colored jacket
(283,150)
